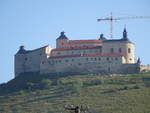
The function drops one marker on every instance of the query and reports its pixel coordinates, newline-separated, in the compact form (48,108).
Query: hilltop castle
(102,56)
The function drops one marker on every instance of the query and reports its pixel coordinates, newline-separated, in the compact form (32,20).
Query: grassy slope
(103,94)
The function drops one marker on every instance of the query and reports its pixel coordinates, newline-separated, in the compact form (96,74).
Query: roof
(85,41)
(76,48)
(118,40)
(85,55)
(62,36)
(23,51)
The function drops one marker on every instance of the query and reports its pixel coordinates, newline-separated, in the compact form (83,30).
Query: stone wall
(82,64)
(31,60)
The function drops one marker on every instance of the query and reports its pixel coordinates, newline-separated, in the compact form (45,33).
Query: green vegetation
(33,93)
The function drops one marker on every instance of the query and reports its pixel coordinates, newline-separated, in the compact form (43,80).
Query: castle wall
(19,64)
(145,68)
(82,64)
(30,61)
(130,68)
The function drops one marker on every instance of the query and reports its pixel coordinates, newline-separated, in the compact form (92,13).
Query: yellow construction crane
(111,19)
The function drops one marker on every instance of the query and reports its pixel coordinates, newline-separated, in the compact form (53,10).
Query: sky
(36,23)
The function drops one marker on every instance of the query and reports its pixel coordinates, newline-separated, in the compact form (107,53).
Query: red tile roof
(84,55)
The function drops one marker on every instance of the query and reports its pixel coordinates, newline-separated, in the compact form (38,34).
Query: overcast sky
(36,23)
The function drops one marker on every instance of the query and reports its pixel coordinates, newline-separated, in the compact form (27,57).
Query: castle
(101,56)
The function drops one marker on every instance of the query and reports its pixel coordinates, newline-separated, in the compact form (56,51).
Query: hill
(33,93)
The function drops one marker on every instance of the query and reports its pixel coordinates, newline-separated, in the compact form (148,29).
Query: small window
(112,50)
(107,58)
(99,58)
(26,59)
(42,62)
(66,60)
(100,50)
(120,50)
(87,59)
(72,59)
(129,50)
(95,59)
(79,64)
(116,58)
(58,53)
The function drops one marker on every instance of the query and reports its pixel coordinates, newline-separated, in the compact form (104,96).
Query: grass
(103,94)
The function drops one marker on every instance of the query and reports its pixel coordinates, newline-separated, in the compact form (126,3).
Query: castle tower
(129,48)
(121,46)
(61,41)
(20,58)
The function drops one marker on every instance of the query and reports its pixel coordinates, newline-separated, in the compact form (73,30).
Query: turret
(102,37)
(129,48)
(62,40)
(21,50)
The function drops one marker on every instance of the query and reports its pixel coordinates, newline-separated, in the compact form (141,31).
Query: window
(112,50)
(26,59)
(58,53)
(99,59)
(72,59)
(116,58)
(42,62)
(107,58)
(95,59)
(79,64)
(129,50)
(87,59)
(120,50)
(66,60)
(100,50)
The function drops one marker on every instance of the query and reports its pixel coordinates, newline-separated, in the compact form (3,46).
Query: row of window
(79,52)
(93,51)
(87,59)
(119,50)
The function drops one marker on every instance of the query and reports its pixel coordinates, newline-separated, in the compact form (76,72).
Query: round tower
(62,41)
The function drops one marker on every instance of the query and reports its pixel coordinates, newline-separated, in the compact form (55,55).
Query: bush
(93,82)
(46,83)
(76,86)
(136,87)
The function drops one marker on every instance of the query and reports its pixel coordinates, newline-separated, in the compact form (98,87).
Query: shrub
(92,82)
(46,83)
(136,87)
